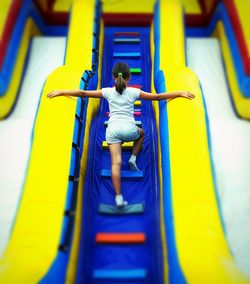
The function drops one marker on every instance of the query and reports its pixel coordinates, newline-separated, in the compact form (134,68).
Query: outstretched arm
(75,93)
(166,96)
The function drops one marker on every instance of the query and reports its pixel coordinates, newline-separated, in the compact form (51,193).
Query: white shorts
(119,133)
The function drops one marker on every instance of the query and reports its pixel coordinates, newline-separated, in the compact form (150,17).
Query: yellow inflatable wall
(35,238)
(202,248)
(241,103)
(8,99)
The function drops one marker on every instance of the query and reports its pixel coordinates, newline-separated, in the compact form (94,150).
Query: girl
(121,127)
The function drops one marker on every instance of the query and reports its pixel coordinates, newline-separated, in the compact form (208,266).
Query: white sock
(132,163)
(119,196)
(119,200)
(132,158)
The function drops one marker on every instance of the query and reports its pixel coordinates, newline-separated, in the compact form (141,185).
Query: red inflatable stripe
(230,5)
(202,19)
(55,18)
(51,4)
(194,20)
(51,17)
(127,19)
(120,238)
(132,34)
(8,28)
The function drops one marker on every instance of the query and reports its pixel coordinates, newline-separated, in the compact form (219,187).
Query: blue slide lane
(138,263)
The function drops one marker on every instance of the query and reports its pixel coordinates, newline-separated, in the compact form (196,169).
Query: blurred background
(189,214)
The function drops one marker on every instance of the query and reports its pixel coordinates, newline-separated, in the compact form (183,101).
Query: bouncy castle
(188,213)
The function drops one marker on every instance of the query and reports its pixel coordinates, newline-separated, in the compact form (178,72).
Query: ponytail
(121,74)
(120,85)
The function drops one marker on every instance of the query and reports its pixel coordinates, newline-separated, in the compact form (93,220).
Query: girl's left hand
(187,95)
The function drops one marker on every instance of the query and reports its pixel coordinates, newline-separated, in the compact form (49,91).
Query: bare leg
(136,149)
(116,162)
(138,143)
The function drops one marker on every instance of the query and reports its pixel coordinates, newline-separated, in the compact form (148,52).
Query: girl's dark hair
(120,72)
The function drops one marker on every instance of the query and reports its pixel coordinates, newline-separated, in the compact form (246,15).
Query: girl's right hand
(187,95)
(53,94)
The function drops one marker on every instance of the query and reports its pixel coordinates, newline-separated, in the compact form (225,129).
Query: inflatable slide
(187,215)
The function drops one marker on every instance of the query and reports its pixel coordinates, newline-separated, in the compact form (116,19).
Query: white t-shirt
(121,107)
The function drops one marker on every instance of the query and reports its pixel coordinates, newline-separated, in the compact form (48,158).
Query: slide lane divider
(175,273)
(61,269)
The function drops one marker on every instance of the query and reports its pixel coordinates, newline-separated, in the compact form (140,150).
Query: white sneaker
(133,166)
(120,202)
